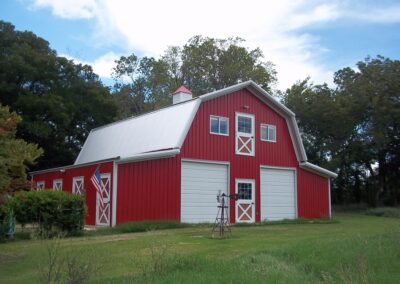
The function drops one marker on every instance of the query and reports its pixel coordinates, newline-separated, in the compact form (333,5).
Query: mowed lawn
(356,249)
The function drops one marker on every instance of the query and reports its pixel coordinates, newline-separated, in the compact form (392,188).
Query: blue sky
(302,38)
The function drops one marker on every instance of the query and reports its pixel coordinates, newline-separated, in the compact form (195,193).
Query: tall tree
(59,101)
(15,154)
(203,64)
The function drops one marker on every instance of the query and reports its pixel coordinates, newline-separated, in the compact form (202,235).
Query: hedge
(50,210)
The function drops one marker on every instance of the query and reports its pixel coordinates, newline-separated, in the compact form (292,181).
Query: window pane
(244,191)
(244,124)
(264,132)
(223,126)
(214,124)
(272,133)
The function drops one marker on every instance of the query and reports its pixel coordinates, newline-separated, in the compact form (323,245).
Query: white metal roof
(155,131)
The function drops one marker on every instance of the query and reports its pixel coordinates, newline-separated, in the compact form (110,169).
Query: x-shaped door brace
(245,211)
(245,144)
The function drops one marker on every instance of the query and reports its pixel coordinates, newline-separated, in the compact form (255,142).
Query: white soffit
(155,131)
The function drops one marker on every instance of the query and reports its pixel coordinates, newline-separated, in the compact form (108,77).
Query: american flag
(96,180)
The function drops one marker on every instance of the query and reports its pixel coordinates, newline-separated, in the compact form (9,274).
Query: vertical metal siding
(200,144)
(312,195)
(68,175)
(149,190)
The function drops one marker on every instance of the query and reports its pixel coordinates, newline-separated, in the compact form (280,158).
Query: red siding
(312,195)
(67,176)
(149,190)
(200,144)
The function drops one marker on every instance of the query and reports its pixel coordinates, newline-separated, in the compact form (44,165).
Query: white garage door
(278,199)
(200,184)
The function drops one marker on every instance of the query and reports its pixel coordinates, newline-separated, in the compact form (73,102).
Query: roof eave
(317,170)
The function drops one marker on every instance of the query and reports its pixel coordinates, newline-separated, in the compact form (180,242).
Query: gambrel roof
(161,133)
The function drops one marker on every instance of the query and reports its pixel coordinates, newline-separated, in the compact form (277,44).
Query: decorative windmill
(221,228)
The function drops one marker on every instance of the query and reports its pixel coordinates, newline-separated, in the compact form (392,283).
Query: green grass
(355,248)
(393,212)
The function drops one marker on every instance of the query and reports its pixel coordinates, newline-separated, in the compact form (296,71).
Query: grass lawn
(356,249)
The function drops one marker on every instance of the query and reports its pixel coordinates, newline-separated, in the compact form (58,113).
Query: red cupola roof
(182,89)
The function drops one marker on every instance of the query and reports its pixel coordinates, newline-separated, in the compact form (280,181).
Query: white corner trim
(318,170)
(329,197)
(150,156)
(114,194)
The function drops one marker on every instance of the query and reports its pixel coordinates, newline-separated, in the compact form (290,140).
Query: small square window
(244,191)
(40,185)
(57,184)
(268,132)
(219,125)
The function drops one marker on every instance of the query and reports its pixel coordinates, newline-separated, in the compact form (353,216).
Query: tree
(203,64)
(59,101)
(15,154)
(373,93)
(354,129)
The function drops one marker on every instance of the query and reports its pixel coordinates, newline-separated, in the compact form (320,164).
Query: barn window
(268,132)
(40,185)
(219,125)
(57,184)
(244,190)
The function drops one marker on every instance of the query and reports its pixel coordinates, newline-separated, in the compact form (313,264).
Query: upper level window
(219,125)
(268,132)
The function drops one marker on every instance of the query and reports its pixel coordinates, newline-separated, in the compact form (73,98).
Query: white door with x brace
(245,203)
(103,201)
(244,140)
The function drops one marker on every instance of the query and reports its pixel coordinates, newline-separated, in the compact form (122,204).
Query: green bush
(393,212)
(49,210)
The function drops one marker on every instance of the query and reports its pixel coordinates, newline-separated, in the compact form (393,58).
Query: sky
(302,39)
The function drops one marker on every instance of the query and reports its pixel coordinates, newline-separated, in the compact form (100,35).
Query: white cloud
(102,66)
(274,26)
(71,9)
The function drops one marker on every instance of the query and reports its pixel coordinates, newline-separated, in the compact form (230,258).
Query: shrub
(384,212)
(49,210)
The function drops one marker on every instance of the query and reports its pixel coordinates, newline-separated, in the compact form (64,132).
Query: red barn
(171,163)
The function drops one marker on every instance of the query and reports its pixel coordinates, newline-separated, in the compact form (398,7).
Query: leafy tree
(58,100)
(354,129)
(15,154)
(203,64)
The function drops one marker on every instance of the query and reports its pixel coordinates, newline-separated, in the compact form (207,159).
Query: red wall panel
(67,176)
(149,190)
(200,144)
(312,195)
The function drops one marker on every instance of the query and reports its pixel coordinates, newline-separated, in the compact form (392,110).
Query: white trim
(317,170)
(150,156)
(267,126)
(81,178)
(40,185)
(205,161)
(60,181)
(249,135)
(219,119)
(329,197)
(295,185)
(253,199)
(188,124)
(114,194)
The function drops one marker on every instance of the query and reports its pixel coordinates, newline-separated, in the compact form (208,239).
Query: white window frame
(55,181)
(74,180)
(265,125)
(219,119)
(40,185)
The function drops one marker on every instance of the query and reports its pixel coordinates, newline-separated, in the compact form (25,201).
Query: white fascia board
(150,156)
(114,194)
(298,141)
(188,124)
(318,170)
